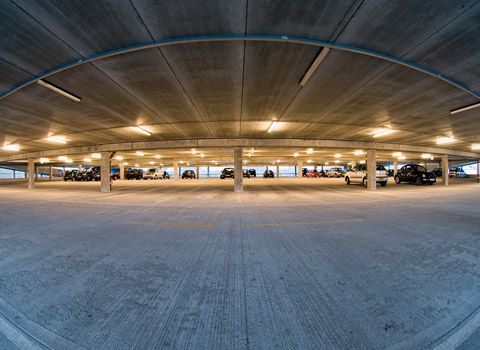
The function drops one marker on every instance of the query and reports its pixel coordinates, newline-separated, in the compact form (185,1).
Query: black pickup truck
(134,174)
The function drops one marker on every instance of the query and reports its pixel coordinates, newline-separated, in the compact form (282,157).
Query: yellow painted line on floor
(207,225)
(211,225)
(306,223)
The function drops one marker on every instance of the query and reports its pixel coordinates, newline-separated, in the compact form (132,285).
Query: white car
(336,172)
(359,175)
(153,173)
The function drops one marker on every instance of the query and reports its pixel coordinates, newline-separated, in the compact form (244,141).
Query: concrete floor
(288,264)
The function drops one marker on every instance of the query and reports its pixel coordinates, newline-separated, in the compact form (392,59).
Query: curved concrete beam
(271,38)
(238,142)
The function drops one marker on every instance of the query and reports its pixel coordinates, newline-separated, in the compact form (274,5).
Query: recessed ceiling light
(142,130)
(11,147)
(358,153)
(152,163)
(445,140)
(62,158)
(337,161)
(338,155)
(138,153)
(125,163)
(309,161)
(158,156)
(274,124)
(136,165)
(426,156)
(44,160)
(96,155)
(383,132)
(326,163)
(119,158)
(57,139)
(295,154)
(202,155)
(58,90)
(476,146)
(402,158)
(310,150)
(87,160)
(397,154)
(466,108)
(362,162)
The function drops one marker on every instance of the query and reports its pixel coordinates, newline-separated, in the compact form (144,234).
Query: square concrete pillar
(278,171)
(105,169)
(238,164)
(31,174)
(300,169)
(80,167)
(175,170)
(50,172)
(445,169)
(122,171)
(395,167)
(371,170)
(198,172)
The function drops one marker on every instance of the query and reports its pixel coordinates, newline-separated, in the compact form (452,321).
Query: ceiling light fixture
(397,154)
(87,160)
(96,155)
(383,133)
(402,158)
(358,153)
(476,146)
(138,153)
(326,163)
(58,90)
(310,150)
(445,140)
(68,161)
(362,162)
(151,163)
(157,156)
(57,139)
(140,129)
(313,67)
(337,161)
(62,158)
(11,147)
(202,155)
(295,154)
(136,165)
(426,156)
(125,163)
(274,124)
(119,158)
(466,108)
(338,155)
(309,161)
(44,160)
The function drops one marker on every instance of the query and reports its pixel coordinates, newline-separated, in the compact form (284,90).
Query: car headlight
(424,175)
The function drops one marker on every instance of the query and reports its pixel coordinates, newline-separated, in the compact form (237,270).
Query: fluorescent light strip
(274,124)
(11,147)
(143,131)
(58,90)
(475,146)
(466,108)
(384,132)
(426,156)
(445,140)
(313,67)
(56,139)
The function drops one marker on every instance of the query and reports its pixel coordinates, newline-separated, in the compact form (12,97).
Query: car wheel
(430,183)
(418,181)
(397,179)
(347,180)
(383,184)
(364,182)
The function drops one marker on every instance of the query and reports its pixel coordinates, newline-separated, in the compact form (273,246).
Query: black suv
(252,172)
(134,174)
(268,173)
(188,174)
(415,173)
(227,172)
(91,174)
(71,175)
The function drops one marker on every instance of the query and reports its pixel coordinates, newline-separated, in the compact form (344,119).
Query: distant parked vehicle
(90,174)
(246,173)
(415,173)
(152,173)
(115,176)
(304,172)
(136,174)
(227,172)
(457,172)
(437,172)
(165,175)
(188,174)
(359,175)
(253,172)
(336,172)
(71,175)
(268,173)
(313,173)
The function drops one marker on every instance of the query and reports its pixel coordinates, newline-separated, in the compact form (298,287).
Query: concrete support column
(478,170)
(278,171)
(238,164)
(105,169)
(175,169)
(36,173)
(122,171)
(371,170)
(445,169)
(395,167)
(198,172)
(31,174)
(50,172)
(80,167)
(300,169)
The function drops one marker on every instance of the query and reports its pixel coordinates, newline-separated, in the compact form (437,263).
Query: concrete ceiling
(223,83)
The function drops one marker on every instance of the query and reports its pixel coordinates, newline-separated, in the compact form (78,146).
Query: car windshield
(421,168)
(152,170)
(381,167)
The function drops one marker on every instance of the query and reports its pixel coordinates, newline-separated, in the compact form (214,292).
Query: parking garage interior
(296,261)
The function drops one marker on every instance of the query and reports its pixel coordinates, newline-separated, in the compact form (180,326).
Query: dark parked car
(90,174)
(188,174)
(165,175)
(71,175)
(134,174)
(246,173)
(115,176)
(268,173)
(415,173)
(437,172)
(227,172)
(304,171)
(253,172)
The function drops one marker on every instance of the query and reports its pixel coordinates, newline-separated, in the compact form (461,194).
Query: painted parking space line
(211,225)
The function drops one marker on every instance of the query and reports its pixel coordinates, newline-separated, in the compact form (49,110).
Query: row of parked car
(90,174)
(334,172)
(413,173)
(230,172)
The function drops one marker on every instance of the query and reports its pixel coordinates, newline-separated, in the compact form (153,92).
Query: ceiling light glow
(157,156)
(310,150)
(138,153)
(119,158)
(140,129)
(57,139)
(87,160)
(443,140)
(362,162)
(62,158)
(397,154)
(426,156)
(274,124)
(58,90)
(338,155)
(358,153)
(402,158)
(44,160)
(476,146)
(383,132)
(11,147)
(96,155)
